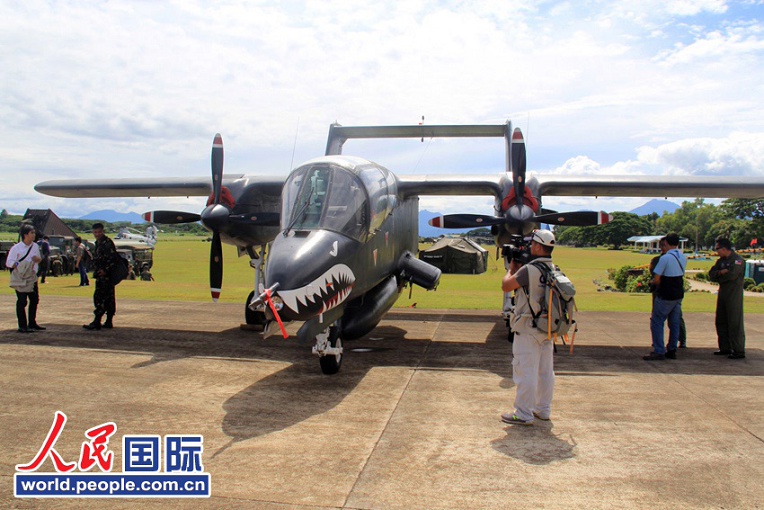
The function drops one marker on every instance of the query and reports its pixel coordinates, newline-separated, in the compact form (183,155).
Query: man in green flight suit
(729,272)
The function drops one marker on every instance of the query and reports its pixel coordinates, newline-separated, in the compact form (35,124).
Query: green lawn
(181,266)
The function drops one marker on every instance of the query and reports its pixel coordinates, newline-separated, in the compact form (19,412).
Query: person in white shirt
(532,351)
(26,250)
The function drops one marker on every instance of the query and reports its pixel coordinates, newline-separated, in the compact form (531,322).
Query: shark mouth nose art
(322,294)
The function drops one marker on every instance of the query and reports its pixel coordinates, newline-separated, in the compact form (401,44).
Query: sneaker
(654,357)
(512,419)
(722,353)
(92,326)
(737,355)
(108,325)
(536,415)
(37,327)
(671,354)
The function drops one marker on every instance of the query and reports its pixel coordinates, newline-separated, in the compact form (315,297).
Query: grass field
(181,268)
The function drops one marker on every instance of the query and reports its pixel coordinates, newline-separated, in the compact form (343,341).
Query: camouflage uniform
(729,303)
(103,297)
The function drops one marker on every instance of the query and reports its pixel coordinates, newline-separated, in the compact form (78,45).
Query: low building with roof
(649,244)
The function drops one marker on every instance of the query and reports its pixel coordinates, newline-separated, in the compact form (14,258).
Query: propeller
(170,217)
(465,221)
(575,219)
(517,166)
(215,217)
(520,207)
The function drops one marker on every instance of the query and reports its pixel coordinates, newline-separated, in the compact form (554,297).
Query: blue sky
(138,89)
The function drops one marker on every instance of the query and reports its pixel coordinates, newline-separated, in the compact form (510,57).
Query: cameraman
(532,364)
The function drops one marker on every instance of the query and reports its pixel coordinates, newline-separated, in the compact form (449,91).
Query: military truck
(5,247)
(136,253)
(62,255)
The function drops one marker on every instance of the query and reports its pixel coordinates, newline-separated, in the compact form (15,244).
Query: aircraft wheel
(330,364)
(252,317)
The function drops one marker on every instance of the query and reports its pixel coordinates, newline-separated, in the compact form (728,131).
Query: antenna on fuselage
(294,145)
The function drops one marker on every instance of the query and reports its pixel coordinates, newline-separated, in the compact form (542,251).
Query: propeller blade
(264,219)
(575,218)
(170,217)
(518,165)
(217,168)
(216,266)
(465,221)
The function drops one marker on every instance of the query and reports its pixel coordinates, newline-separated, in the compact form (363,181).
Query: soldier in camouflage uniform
(729,272)
(103,264)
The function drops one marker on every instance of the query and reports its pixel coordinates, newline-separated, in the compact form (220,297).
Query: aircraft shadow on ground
(299,391)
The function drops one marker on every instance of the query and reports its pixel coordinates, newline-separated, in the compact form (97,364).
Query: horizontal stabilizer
(575,219)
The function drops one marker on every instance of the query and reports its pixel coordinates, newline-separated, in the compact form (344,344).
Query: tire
(251,317)
(330,365)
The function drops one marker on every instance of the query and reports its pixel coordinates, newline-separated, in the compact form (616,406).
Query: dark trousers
(42,270)
(103,298)
(83,274)
(33,298)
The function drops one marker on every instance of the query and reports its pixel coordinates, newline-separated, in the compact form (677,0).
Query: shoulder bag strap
(27,253)
(678,262)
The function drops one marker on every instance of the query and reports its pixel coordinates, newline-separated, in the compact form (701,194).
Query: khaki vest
(530,300)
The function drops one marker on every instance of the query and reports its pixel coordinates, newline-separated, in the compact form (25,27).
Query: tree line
(740,220)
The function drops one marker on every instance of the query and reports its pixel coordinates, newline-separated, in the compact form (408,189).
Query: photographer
(532,364)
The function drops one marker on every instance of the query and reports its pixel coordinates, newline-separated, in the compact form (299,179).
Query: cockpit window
(325,197)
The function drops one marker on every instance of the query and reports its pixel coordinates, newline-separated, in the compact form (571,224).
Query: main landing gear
(257,262)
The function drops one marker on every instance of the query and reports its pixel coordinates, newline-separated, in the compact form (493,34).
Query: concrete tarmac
(410,422)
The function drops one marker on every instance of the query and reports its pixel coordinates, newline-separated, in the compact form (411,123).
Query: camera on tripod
(518,250)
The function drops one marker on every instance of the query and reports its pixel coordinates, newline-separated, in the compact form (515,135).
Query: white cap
(544,237)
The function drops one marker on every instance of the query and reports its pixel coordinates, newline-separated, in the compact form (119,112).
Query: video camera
(519,250)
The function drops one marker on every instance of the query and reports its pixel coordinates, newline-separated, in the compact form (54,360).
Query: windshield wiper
(300,214)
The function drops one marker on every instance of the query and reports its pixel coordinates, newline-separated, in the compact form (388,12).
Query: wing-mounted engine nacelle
(418,271)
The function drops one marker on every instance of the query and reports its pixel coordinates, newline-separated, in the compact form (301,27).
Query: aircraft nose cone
(215,217)
(311,271)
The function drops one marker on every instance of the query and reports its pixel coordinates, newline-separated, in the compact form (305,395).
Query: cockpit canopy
(343,194)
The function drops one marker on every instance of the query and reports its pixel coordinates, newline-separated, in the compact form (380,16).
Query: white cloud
(138,89)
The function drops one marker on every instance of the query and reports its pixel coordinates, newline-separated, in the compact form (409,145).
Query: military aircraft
(342,231)
(148,237)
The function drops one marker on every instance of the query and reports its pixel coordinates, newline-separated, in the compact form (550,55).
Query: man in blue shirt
(669,282)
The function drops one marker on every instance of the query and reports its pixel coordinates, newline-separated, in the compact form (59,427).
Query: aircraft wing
(651,186)
(149,187)
(449,185)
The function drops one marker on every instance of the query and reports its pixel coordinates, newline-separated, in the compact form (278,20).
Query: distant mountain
(655,206)
(425,230)
(113,216)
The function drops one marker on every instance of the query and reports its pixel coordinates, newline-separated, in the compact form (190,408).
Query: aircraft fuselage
(344,231)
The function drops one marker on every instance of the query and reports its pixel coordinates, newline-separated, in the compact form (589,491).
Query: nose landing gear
(328,348)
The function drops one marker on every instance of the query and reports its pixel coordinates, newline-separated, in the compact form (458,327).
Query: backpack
(558,305)
(120,269)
